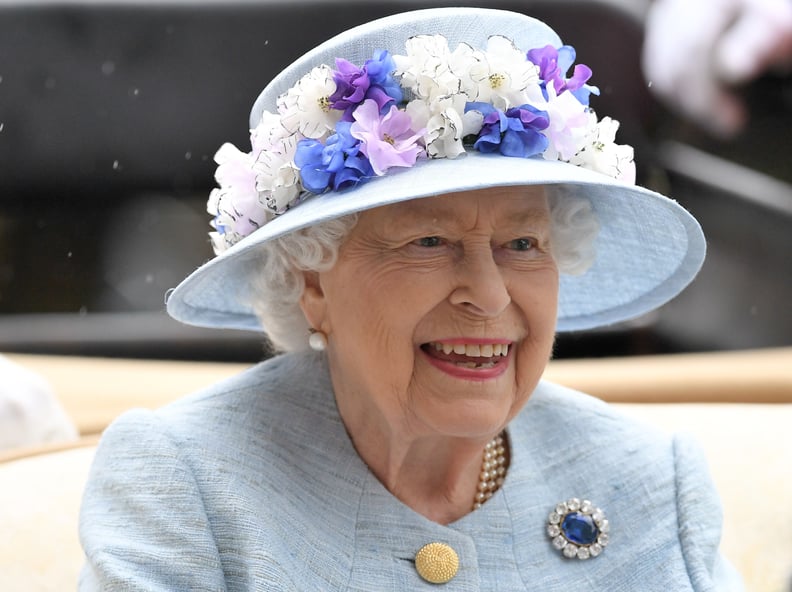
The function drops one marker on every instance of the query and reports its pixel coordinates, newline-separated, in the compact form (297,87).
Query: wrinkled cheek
(545,324)
(531,359)
(383,352)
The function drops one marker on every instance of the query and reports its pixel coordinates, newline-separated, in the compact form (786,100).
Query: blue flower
(380,72)
(338,163)
(516,132)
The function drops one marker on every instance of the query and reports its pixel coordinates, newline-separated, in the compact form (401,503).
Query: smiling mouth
(468,355)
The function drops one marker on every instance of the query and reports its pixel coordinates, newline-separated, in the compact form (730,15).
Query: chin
(469,419)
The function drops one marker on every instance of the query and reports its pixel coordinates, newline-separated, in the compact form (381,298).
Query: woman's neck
(437,476)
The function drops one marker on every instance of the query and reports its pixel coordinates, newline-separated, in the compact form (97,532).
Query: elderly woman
(427,201)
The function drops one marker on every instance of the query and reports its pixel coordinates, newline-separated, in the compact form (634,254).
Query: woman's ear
(313,303)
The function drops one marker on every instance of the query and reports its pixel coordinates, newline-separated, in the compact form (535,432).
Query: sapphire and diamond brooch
(578,529)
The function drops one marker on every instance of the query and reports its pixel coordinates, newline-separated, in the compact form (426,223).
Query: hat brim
(648,248)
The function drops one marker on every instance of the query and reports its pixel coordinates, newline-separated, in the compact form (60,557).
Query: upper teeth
(486,350)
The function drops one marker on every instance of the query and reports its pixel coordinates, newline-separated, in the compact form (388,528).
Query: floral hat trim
(337,128)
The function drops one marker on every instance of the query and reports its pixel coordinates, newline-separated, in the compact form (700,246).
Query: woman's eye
(429,241)
(522,244)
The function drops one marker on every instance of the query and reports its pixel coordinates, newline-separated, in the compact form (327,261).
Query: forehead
(512,203)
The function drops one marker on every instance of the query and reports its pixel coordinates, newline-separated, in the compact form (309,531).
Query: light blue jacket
(253,484)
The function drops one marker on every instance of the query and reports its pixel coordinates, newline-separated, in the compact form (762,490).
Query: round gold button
(436,563)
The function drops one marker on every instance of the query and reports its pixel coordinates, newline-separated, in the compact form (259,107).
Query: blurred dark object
(741,192)
(110,115)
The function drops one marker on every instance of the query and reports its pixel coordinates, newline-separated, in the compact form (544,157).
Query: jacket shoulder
(654,486)
(584,418)
(283,388)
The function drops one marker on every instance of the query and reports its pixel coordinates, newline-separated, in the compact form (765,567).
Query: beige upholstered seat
(40,497)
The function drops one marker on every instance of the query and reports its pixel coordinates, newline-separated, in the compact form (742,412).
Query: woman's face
(440,312)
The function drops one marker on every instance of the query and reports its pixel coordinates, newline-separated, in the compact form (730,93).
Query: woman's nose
(480,287)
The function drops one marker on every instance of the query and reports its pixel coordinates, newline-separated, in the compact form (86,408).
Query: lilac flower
(372,81)
(516,132)
(553,67)
(235,204)
(569,122)
(386,140)
(337,164)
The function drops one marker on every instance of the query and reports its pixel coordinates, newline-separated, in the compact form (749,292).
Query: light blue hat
(648,248)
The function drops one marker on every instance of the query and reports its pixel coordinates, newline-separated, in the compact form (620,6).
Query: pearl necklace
(493,471)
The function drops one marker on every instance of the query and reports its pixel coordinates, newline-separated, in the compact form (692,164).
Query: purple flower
(373,81)
(517,132)
(351,85)
(338,163)
(553,67)
(386,140)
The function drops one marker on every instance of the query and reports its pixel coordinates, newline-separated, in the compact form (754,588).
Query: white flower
(234,167)
(235,204)
(305,107)
(602,154)
(277,179)
(235,216)
(425,69)
(446,124)
(569,125)
(501,76)
(268,132)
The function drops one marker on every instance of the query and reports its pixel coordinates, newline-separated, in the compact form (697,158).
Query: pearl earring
(317,340)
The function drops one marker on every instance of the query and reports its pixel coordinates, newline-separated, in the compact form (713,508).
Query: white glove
(695,50)
(29,411)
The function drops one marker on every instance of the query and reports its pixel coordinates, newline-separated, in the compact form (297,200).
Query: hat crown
(473,26)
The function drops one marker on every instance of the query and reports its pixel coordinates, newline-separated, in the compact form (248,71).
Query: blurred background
(111,112)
